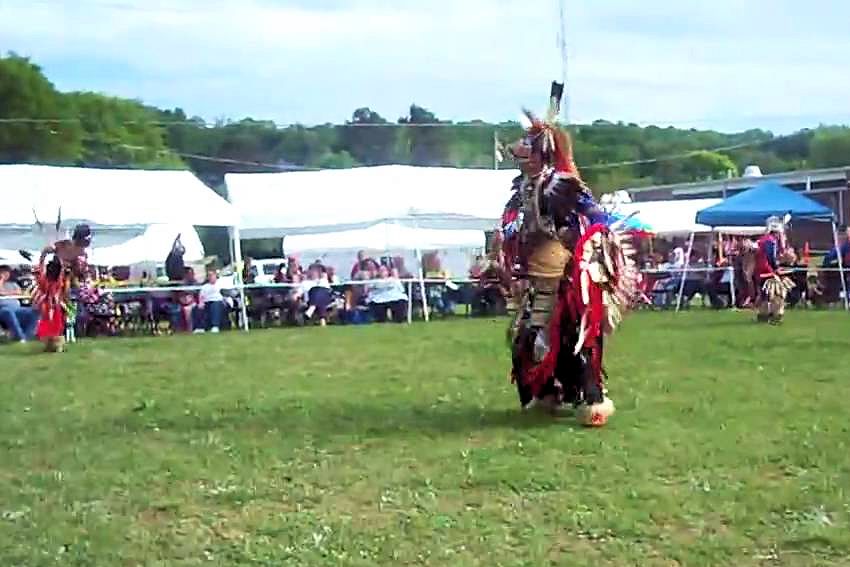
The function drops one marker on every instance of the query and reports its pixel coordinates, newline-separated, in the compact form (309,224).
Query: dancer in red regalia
(577,276)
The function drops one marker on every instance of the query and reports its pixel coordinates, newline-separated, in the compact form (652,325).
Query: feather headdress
(554,142)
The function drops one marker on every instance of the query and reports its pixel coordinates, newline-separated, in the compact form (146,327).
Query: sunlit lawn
(395,445)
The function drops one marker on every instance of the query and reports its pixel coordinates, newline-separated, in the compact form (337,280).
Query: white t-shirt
(307,285)
(678,257)
(210,292)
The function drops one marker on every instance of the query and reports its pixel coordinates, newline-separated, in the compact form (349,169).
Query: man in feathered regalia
(774,285)
(575,270)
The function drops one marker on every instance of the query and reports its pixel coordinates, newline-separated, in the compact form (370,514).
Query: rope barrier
(462,281)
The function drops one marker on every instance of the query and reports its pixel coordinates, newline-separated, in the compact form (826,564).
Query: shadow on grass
(345,419)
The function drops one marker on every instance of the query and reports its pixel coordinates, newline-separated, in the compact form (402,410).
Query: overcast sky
(722,64)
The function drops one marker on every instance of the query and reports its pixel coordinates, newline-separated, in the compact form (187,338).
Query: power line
(281,167)
(265,123)
(610,165)
(684,155)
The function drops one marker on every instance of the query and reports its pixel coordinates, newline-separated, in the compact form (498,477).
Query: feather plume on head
(546,137)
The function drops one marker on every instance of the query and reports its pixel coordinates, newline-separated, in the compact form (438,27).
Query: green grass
(394,445)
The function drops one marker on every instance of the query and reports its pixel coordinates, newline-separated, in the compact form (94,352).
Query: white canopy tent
(371,203)
(119,204)
(338,248)
(13,258)
(384,236)
(108,198)
(676,218)
(274,205)
(150,247)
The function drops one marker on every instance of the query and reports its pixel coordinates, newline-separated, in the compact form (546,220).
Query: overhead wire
(292,167)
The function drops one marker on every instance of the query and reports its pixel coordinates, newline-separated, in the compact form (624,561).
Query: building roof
(833,176)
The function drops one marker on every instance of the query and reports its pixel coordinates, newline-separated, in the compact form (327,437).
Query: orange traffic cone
(807,253)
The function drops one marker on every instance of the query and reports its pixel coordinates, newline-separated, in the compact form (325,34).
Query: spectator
(677,256)
(439,295)
(181,312)
(20,321)
(358,264)
(387,294)
(315,291)
(249,272)
(293,269)
(282,275)
(831,259)
(209,312)
(403,272)
(333,278)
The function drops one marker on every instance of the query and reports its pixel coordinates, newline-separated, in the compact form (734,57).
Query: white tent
(13,258)
(119,204)
(302,202)
(385,236)
(676,218)
(108,197)
(150,247)
(457,248)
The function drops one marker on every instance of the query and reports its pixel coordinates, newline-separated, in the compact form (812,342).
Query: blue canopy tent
(754,206)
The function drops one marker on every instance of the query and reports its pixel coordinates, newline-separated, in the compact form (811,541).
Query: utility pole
(562,44)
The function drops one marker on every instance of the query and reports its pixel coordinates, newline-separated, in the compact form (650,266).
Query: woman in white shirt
(209,313)
(315,290)
(387,294)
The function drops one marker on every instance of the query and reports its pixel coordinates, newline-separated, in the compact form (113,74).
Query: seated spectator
(403,272)
(315,292)
(18,320)
(293,268)
(184,304)
(439,295)
(282,275)
(387,294)
(333,278)
(96,310)
(209,313)
(843,250)
(490,296)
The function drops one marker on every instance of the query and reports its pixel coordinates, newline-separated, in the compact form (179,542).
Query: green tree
(427,145)
(708,165)
(25,93)
(830,147)
(121,132)
(368,144)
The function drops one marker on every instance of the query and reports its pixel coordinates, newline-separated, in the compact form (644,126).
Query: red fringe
(570,303)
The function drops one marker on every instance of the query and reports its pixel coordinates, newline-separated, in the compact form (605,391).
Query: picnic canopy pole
(422,287)
(409,302)
(840,266)
(685,272)
(237,274)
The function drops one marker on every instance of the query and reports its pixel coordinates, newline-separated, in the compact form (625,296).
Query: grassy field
(394,445)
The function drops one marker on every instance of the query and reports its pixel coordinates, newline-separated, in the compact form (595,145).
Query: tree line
(96,130)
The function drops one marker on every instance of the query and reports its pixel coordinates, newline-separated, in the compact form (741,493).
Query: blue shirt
(832,256)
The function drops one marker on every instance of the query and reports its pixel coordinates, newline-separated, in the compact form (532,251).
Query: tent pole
(685,273)
(409,302)
(840,266)
(425,313)
(235,241)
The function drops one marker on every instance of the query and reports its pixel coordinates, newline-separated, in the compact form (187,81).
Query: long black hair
(53,270)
